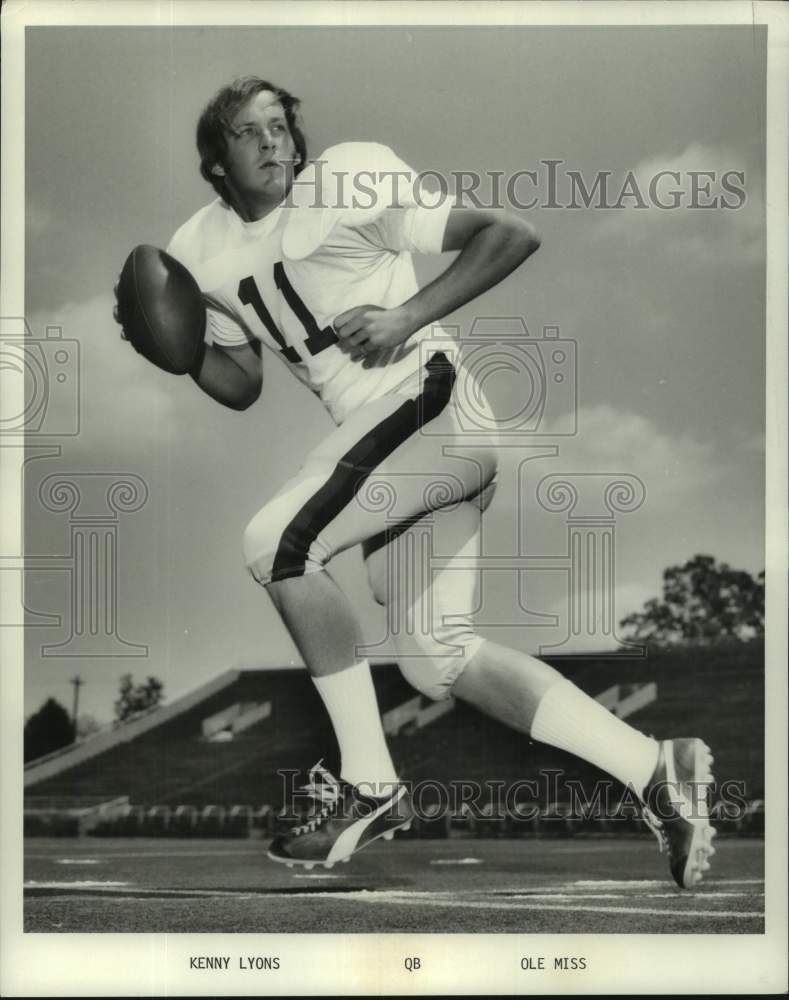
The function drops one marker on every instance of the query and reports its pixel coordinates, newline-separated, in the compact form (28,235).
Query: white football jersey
(343,238)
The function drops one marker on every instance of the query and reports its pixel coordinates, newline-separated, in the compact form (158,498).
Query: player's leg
(325,630)
(439,651)
(530,696)
(428,581)
(331,505)
(445,656)
(670,776)
(368,801)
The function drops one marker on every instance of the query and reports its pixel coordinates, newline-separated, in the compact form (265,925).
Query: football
(161,309)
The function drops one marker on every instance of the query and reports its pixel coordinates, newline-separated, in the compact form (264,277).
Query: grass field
(582,885)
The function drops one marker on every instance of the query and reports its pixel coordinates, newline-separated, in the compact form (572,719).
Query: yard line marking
(319,875)
(643,883)
(78,884)
(621,897)
(702,895)
(110,855)
(734,881)
(568,892)
(635,883)
(597,846)
(456,861)
(109,889)
(408,900)
(563,895)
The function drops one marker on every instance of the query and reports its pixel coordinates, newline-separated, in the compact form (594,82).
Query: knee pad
(432,663)
(277,546)
(429,611)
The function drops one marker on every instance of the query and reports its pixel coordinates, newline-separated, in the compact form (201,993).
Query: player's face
(259,164)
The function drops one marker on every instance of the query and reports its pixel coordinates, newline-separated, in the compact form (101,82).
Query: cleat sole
(688,773)
(702,850)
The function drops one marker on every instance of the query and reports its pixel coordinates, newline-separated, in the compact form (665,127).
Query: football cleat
(343,820)
(676,808)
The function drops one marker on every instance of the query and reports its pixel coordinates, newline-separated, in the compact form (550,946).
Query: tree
(47,730)
(137,698)
(702,601)
(87,726)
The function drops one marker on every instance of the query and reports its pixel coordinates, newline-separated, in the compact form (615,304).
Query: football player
(314,262)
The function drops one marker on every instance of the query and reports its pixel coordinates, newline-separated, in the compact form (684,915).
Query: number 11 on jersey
(317,339)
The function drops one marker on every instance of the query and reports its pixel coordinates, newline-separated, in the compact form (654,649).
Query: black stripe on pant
(356,465)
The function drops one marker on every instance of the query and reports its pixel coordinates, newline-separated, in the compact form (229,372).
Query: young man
(314,261)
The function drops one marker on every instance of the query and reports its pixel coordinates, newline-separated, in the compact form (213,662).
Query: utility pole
(77,682)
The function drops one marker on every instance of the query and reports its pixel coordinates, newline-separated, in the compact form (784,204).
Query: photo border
(143,964)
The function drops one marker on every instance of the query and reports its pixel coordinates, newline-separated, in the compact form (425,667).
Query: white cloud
(122,399)
(695,233)
(611,440)
(693,497)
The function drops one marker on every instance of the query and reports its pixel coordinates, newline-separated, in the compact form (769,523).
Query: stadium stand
(174,777)
(715,692)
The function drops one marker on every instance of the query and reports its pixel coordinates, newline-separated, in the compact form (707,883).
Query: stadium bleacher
(177,778)
(716,693)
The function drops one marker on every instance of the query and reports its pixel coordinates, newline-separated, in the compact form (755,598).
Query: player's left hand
(365,330)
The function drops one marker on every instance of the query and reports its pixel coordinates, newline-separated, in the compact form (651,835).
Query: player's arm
(491,244)
(232,376)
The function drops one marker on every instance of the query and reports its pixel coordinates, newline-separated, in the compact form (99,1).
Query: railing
(52,764)
(626,699)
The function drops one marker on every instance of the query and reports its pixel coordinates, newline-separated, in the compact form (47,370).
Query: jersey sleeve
(180,246)
(222,329)
(417,228)
(364,186)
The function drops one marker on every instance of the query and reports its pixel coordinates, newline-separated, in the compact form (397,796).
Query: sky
(665,308)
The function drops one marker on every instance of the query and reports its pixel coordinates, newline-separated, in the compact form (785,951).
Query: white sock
(570,720)
(349,697)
